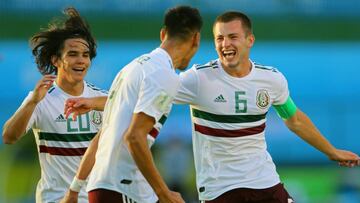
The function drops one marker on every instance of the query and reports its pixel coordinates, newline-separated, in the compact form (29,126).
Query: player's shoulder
(211,65)
(266,68)
(269,73)
(95,89)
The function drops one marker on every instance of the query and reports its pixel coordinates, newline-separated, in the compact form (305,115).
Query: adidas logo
(60,118)
(220,98)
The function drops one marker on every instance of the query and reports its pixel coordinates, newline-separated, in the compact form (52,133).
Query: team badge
(262,99)
(96,118)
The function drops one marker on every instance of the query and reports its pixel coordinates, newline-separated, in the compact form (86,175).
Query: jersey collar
(164,55)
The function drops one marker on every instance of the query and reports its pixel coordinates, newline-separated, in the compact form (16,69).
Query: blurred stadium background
(315,43)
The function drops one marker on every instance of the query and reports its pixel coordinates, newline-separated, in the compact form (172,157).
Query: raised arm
(136,140)
(85,167)
(15,127)
(301,125)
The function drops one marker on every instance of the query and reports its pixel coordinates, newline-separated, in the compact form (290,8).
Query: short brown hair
(235,15)
(182,21)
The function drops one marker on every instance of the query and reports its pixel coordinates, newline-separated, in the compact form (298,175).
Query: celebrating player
(140,99)
(63,55)
(229,99)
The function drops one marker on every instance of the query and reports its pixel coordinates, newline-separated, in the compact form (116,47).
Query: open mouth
(229,54)
(80,70)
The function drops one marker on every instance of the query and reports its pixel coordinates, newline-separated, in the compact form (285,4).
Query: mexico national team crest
(262,99)
(96,118)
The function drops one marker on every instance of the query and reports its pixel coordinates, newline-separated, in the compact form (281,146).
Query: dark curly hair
(50,42)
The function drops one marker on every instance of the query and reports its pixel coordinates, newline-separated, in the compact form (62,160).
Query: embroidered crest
(262,99)
(96,118)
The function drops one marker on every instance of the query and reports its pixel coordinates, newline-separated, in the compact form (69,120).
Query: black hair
(182,21)
(235,15)
(50,42)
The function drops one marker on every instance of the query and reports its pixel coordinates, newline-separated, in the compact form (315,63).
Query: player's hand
(346,158)
(77,106)
(171,197)
(70,197)
(42,88)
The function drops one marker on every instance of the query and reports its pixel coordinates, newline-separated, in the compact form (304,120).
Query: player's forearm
(88,160)
(15,127)
(99,103)
(307,131)
(141,154)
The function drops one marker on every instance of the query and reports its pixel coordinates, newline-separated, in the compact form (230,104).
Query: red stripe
(229,133)
(61,151)
(154,133)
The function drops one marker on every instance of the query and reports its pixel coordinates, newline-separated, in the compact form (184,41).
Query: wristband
(77,184)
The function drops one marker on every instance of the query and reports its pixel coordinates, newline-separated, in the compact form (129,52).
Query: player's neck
(176,51)
(71,88)
(240,70)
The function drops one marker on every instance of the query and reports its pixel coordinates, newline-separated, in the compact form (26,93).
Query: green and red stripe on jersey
(64,151)
(232,119)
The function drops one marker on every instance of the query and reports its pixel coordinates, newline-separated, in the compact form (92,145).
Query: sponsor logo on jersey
(96,118)
(220,98)
(262,99)
(60,118)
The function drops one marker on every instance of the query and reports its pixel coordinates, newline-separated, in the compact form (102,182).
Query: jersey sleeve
(281,90)
(156,95)
(188,87)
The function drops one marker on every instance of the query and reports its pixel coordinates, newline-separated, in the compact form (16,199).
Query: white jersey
(148,84)
(228,126)
(61,142)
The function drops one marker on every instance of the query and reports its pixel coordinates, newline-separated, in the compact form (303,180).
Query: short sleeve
(156,94)
(281,91)
(188,87)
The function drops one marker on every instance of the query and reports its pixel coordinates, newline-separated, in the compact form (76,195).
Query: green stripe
(266,68)
(66,137)
(227,118)
(162,119)
(51,89)
(286,110)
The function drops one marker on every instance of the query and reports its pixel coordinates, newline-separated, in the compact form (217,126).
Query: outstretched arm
(136,140)
(78,106)
(85,167)
(301,125)
(15,127)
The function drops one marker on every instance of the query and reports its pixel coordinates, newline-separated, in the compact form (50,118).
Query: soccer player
(63,54)
(229,98)
(139,101)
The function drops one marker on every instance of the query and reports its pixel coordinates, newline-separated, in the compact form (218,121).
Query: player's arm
(136,140)
(299,123)
(78,106)
(15,127)
(85,167)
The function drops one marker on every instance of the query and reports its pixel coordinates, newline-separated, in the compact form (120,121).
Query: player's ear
(55,60)
(196,39)
(162,34)
(250,40)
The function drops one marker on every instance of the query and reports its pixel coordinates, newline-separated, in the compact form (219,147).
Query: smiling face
(232,43)
(74,62)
